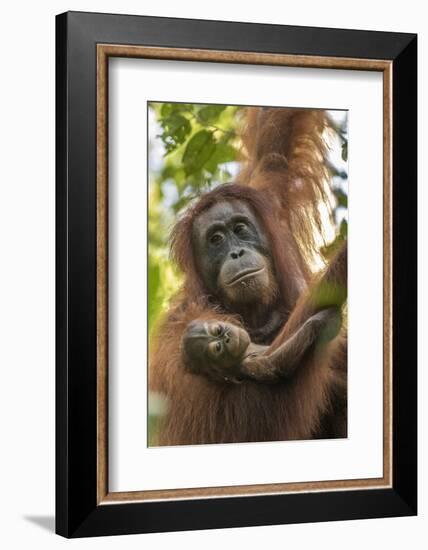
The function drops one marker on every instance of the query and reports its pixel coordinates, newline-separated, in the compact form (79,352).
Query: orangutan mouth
(245,274)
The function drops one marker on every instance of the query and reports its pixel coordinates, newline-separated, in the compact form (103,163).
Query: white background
(27,275)
(133,466)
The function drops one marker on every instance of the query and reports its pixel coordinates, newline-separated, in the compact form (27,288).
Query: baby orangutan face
(213,346)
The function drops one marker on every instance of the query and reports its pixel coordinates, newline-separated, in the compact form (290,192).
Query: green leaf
(153,289)
(198,150)
(181,203)
(175,128)
(329,250)
(210,113)
(345,151)
(334,172)
(341,197)
(328,295)
(344,229)
(224,152)
(168,109)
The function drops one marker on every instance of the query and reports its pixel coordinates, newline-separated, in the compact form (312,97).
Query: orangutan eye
(217,330)
(216,348)
(239,228)
(216,239)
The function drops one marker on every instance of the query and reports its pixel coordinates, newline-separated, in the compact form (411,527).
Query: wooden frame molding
(104,52)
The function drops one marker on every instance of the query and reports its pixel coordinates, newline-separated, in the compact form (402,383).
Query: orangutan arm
(280,364)
(315,321)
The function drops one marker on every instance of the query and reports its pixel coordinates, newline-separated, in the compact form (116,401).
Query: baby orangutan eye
(217,330)
(215,348)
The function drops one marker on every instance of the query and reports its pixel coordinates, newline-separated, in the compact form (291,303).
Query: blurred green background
(192,149)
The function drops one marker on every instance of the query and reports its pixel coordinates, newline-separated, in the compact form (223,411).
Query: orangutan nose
(237,254)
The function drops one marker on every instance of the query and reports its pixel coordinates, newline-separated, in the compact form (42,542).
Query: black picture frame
(77,511)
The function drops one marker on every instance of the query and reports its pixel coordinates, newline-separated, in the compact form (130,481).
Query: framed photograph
(236,274)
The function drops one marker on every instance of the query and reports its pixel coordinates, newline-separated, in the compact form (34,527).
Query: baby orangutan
(224,352)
